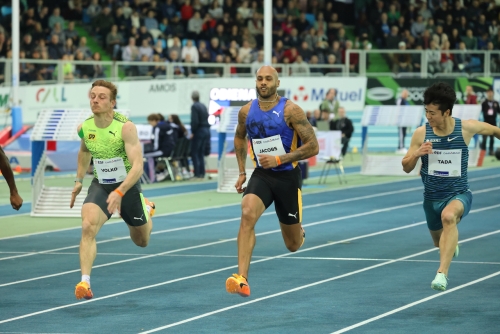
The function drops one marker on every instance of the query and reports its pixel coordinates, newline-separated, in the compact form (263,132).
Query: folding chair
(337,163)
(172,170)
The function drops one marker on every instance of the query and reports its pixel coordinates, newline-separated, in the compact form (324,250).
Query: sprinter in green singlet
(442,144)
(111,140)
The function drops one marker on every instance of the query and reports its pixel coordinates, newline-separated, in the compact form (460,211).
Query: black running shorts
(133,208)
(282,188)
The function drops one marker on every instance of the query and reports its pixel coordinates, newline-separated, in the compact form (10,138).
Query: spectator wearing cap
(401,61)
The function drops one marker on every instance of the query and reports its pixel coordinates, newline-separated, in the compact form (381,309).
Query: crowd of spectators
(439,27)
(305,33)
(218,32)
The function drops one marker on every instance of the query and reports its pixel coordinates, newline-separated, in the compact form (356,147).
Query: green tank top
(106,143)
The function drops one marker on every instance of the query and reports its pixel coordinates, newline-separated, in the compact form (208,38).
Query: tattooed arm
(240,146)
(296,118)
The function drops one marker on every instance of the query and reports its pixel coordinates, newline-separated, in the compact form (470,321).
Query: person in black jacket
(490,110)
(164,139)
(200,134)
(343,124)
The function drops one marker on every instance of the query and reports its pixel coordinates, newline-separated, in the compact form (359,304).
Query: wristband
(278,161)
(243,173)
(78,180)
(118,192)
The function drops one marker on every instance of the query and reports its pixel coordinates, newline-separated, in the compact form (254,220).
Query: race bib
(110,170)
(445,163)
(270,145)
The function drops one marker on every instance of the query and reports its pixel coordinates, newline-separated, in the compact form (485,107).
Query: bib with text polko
(110,170)
(445,163)
(270,145)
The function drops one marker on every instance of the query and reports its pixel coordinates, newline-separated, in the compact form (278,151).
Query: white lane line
(315,258)
(423,300)
(480,178)
(263,260)
(366,213)
(222,221)
(381,260)
(306,286)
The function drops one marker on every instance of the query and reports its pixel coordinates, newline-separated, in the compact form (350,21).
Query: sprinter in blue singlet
(279,135)
(442,145)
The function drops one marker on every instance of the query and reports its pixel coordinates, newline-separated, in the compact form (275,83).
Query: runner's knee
(248,217)
(448,218)
(293,245)
(141,241)
(88,229)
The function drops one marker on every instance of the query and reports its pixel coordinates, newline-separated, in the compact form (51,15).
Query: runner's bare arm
(134,155)
(416,150)
(84,158)
(473,127)
(296,118)
(240,137)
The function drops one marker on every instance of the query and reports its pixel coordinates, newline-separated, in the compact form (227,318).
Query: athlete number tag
(270,145)
(445,163)
(490,112)
(110,170)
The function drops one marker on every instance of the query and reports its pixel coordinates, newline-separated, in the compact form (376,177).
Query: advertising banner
(329,144)
(386,90)
(174,96)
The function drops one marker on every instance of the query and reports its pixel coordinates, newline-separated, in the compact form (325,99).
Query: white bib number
(445,163)
(270,145)
(110,170)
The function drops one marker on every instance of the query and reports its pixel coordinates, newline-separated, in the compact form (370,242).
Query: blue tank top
(263,124)
(439,181)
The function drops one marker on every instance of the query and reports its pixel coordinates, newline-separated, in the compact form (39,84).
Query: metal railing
(479,63)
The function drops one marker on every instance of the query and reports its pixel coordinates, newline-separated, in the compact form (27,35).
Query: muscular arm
(84,158)
(240,138)
(7,172)
(411,158)
(296,119)
(134,155)
(473,127)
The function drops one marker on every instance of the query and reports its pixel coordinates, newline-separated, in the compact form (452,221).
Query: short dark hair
(195,96)
(154,117)
(442,95)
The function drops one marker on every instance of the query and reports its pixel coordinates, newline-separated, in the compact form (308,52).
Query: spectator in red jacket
(187,11)
(470,97)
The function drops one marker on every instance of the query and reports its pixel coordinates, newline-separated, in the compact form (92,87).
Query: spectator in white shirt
(191,50)
(216,10)
(195,25)
(245,52)
(299,67)
(126,9)
(244,10)
(146,50)
(258,63)
(131,51)
(418,27)
(94,9)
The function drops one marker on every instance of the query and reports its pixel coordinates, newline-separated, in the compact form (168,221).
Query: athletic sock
(86,278)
